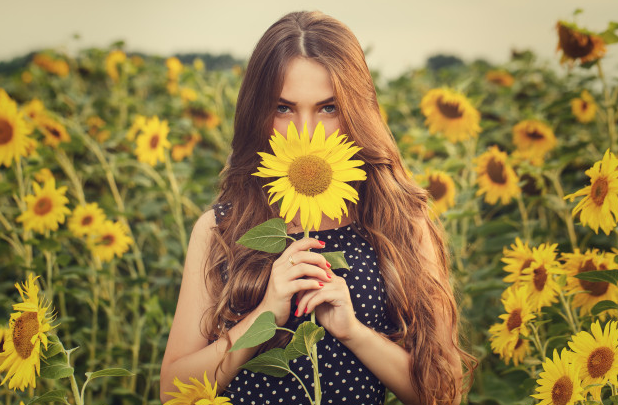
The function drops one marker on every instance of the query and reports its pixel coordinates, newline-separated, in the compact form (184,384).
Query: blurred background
(116,119)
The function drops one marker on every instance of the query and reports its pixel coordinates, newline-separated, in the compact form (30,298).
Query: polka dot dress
(343,377)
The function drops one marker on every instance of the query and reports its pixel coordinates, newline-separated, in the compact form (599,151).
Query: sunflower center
(310,175)
(600,361)
(449,109)
(108,240)
(540,277)
(514,320)
(6,132)
(535,135)
(436,188)
(87,220)
(562,390)
(54,132)
(495,171)
(43,206)
(596,288)
(154,141)
(575,44)
(525,265)
(26,326)
(599,190)
(584,106)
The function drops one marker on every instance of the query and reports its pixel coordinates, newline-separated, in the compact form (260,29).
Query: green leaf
(269,236)
(336,260)
(109,372)
(306,335)
(609,35)
(56,371)
(614,399)
(608,276)
(53,348)
(273,362)
(261,331)
(50,244)
(50,396)
(603,306)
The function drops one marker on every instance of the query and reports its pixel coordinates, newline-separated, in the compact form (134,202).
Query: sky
(399,34)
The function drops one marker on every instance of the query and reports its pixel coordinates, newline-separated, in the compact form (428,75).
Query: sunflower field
(107,160)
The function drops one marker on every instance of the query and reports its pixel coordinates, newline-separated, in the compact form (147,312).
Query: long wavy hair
(392,209)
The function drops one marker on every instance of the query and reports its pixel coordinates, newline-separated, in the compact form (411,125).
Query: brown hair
(392,208)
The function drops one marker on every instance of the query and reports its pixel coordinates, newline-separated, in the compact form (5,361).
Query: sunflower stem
(569,313)
(611,121)
(69,170)
(537,341)
(567,217)
(177,209)
(21,203)
(317,389)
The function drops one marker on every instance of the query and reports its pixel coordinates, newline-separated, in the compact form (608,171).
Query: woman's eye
(329,108)
(282,109)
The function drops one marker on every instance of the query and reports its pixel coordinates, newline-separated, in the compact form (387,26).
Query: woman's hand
(297,269)
(333,308)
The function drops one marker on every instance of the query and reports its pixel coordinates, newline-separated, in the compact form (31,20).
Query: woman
(391,316)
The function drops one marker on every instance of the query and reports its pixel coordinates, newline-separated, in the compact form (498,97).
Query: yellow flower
(539,276)
(586,294)
(137,61)
(584,108)
(599,207)
(450,113)
(137,126)
(34,109)
(43,175)
(112,60)
(198,64)
(196,393)
(4,334)
(187,94)
(441,188)
(53,130)
(14,131)
(110,239)
(203,118)
(506,336)
(46,208)
(578,44)
(495,177)
(86,220)
(174,68)
(26,77)
(58,67)
(500,78)
(597,354)
(180,152)
(559,383)
(312,174)
(152,142)
(533,138)
(517,259)
(27,330)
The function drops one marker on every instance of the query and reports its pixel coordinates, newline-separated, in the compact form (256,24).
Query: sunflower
(14,131)
(203,118)
(599,207)
(34,109)
(500,77)
(46,208)
(450,113)
(539,276)
(27,330)
(53,130)
(196,393)
(4,334)
(26,77)
(495,177)
(137,126)
(86,219)
(43,175)
(174,68)
(198,64)
(506,337)
(517,259)
(180,152)
(187,94)
(312,174)
(152,142)
(588,293)
(533,138)
(58,67)
(584,108)
(576,44)
(441,187)
(559,383)
(110,239)
(597,353)
(112,60)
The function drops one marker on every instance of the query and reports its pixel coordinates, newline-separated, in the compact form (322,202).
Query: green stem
(21,202)
(524,217)
(537,341)
(611,121)
(48,261)
(75,389)
(566,215)
(303,384)
(177,209)
(569,313)
(317,389)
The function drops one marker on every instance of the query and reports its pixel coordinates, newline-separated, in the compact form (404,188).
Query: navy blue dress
(344,379)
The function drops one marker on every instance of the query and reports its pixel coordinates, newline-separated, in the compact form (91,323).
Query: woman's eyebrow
(328,100)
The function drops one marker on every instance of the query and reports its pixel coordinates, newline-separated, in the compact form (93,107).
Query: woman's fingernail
(306,310)
(322,242)
(321,284)
(328,264)
(296,313)
(327,275)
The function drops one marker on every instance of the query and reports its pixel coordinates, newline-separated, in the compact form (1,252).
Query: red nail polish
(296,313)
(321,284)
(328,275)
(322,242)
(306,310)
(328,264)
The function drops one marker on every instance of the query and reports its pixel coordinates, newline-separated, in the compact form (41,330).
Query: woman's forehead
(306,81)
